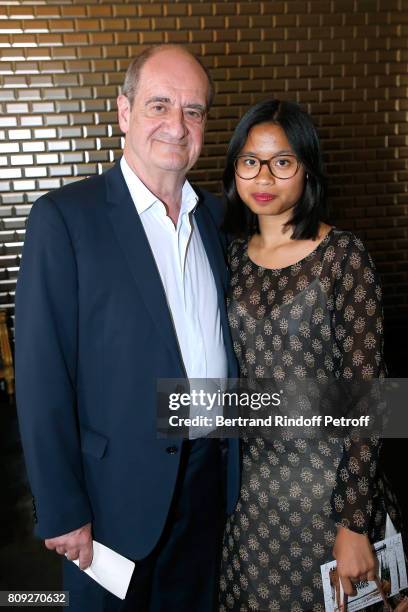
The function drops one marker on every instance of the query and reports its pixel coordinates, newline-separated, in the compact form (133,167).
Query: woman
(304,302)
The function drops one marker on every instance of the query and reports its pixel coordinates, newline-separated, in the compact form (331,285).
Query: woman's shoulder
(236,252)
(346,240)
(236,246)
(350,251)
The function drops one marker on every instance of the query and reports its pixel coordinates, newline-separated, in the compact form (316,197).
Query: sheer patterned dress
(321,317)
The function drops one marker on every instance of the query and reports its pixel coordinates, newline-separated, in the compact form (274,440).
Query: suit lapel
(216,258)
(213,249)
(133,241)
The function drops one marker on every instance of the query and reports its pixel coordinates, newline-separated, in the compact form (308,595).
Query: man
(122,283)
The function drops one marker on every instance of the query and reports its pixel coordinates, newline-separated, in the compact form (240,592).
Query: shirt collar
(143,198)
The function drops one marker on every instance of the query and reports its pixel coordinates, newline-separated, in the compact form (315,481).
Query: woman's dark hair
(311,208)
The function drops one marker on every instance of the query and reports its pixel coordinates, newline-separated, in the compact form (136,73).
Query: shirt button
(172,450)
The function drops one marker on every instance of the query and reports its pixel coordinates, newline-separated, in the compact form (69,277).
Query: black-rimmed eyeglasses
(280,166)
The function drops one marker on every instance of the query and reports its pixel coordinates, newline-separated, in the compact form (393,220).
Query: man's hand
(355,558)
(74,544)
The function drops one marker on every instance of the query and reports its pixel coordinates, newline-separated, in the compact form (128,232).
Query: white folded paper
(110,569)
(391,572)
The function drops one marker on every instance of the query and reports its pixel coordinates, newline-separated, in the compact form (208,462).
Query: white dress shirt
(186,276)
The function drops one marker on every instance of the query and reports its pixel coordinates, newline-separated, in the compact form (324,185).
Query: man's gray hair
(133,72)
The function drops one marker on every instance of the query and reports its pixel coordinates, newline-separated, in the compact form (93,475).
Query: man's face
(165,126)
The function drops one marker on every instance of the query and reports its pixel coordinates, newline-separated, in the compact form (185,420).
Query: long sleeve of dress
(358,327)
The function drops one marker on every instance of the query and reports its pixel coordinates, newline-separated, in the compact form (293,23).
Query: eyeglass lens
(281,166)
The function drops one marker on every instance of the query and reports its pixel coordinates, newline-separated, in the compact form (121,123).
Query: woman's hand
(355,558)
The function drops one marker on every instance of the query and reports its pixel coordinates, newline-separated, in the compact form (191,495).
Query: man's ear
(123,113)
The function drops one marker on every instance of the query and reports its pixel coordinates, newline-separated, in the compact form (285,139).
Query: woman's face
(265,194)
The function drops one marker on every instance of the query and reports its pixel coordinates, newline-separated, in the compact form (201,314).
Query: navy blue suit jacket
(93,335)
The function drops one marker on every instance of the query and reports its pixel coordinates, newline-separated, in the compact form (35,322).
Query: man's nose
(176,124)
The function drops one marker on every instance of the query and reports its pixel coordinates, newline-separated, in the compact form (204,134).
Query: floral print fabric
(318,318)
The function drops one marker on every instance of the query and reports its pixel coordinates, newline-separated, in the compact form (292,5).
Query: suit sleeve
(46,359)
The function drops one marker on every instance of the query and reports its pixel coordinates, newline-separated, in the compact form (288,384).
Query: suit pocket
(93,443)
